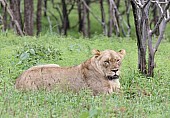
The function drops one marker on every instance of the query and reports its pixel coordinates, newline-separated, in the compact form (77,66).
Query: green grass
(140,97)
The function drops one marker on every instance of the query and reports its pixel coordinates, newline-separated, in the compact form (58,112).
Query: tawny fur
(92,74)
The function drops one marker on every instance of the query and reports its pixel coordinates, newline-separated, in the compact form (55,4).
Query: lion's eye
(106,63)
(118,60)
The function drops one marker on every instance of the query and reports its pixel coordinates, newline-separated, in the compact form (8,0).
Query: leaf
(24,56)
(93,113)
(20,62)
(32,51)
(84,114)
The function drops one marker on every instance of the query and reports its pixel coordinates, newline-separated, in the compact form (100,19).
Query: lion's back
(36,77)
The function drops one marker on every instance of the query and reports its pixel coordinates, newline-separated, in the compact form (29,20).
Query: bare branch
(158,4)
(161,18)
(167,20)
(49,21)
(138,3)
(58,10)
(146,4)
(116,17)
(72,7)
(163,26)
(120,18)
(96,17)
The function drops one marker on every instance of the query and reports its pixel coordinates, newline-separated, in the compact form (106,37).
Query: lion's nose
(114,70)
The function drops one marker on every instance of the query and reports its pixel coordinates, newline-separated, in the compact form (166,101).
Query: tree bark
(117,3)
(7,9)
(86,20)
(15,7)
(79,9)
(45,8)
(155,17)
(28,17)
(4,20)
(116,17)
(110,24)
(141,50)
(39,9)
(103,18)
(65,23)
(127,3)
(151,57)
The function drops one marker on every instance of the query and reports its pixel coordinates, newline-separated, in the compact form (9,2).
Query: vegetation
(139,97)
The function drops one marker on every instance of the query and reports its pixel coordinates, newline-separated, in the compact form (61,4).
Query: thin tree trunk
(15,8)
(86,20)
(4,21)
(28,17)
(117,3)
(85,34)
(151,57)
(152,50)
(116,16)
(110,24)
(4,3)
(141,50)
(155,17)
(45,8)
(127,3)
(39,9)
(79,9)
(103,18)
(65,24)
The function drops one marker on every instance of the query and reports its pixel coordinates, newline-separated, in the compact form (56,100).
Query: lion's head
(109,62)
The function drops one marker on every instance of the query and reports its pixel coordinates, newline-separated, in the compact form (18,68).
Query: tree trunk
(85,34)
(117,3)
(155,17)
(15,7)
(141,49)
(79,9)
(127,3)
(151,64)
(45,8)
(110,24)
(28,17)
(103,18)
(152,51)
(116,16)
(86,20)
(39,9)
(4,20)
(65,23)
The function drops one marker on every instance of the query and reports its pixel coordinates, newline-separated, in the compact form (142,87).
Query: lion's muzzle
(113,75)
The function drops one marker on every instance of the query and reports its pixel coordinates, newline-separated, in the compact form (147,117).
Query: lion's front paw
(109,90)
(116,88)
(115,85)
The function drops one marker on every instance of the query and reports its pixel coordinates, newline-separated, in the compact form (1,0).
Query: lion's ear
(96,52)
(122,52)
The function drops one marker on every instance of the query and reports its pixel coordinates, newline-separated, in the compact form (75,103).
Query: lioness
(100,73)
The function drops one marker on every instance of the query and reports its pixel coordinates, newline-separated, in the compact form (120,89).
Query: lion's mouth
(114,74)
(113,77)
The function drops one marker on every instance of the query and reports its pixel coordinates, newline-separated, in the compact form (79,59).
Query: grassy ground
(140,97)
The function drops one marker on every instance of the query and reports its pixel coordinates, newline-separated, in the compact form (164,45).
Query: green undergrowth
(140,96)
